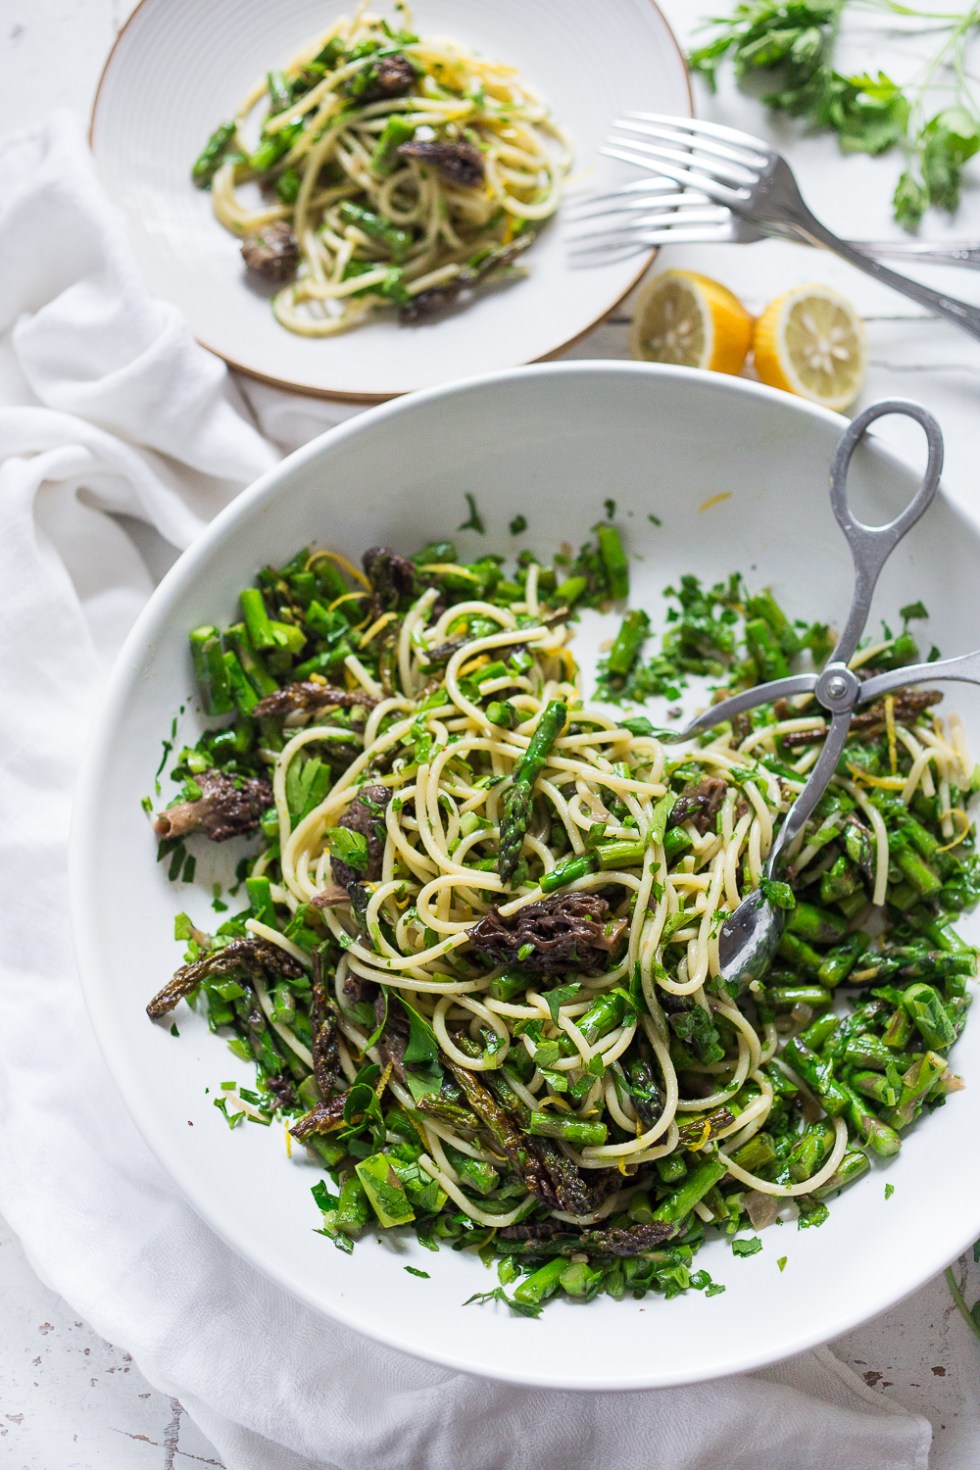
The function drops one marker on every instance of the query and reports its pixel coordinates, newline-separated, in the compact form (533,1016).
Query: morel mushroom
(566,932)
(392,76)
(700,804)
(457,163)
(272,252)
(227,807)
(391,576)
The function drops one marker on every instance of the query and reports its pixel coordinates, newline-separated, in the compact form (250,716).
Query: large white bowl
(180,67)
(552,442)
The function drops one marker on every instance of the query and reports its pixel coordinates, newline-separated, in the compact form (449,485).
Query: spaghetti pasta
(483,928)
(390,170)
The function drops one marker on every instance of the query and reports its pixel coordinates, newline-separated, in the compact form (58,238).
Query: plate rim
(97,749)
(337,395)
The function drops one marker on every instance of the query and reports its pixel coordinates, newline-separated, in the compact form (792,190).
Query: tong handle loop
(871,546)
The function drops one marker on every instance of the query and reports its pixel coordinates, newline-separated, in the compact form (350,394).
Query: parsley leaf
(524,1309)
(474,521)
(784,52)
(555,998)
(349,847)
(748,1247)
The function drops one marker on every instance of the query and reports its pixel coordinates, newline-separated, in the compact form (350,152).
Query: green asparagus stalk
(697,1184)
(917,1083)
(878,1135)
(838,963)
(251,662)
(755,1155)
(840,880)
(851,1167)
(763,646)
(620,853)
(280,92)
(212,155)
(628,642)
(876,1086)
(867,1050)
(671,1168)
(809,1151)
(542,1283)
(509,984)
(209,669)
(396,131)
(567,593)
(924,879)
(817,1074)
(798,953)
(579,1132)
(614,561)
(257,619)
(798,995)
(271,149)
(501,712)
(816,925)
(898,1032)
(396,241)
(928,1014)
(820,1031)
(517,800)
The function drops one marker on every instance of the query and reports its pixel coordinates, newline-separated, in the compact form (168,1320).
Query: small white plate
(737,475)
(180,67)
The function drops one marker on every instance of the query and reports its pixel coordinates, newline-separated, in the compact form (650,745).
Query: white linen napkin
(111,409)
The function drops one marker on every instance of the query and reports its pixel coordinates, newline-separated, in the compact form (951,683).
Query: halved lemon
(811,341)
(687,319)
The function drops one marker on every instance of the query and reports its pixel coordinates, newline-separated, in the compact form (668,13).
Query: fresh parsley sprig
(784,51)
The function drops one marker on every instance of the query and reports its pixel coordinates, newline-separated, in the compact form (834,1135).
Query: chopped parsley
(474,521)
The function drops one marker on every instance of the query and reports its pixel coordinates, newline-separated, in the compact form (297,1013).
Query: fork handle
(924,251)
(964,315)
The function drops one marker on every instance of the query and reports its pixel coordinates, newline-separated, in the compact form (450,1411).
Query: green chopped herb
(747,1247)
(785,51)
(474,521)
(349,847)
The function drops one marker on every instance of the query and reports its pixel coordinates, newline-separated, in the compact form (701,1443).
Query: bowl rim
(307,390)
(97,751)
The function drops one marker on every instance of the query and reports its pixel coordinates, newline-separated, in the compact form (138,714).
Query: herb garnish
(787,49)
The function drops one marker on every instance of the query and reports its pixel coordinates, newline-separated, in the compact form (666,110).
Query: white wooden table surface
(69,1400)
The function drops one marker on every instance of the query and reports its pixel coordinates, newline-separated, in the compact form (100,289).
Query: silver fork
(728,168)
(651,211)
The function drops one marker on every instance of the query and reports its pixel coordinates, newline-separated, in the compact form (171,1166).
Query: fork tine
(720,193)
(670,134)
(716,215)
(645,187)
(612,256)
(680,198)
(697,129)
(716,171)
(614,247)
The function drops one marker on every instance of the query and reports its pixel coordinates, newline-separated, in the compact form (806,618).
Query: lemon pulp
(689,320)
(810,341)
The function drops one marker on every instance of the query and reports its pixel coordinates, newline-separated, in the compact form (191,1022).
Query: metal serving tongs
(748,940)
